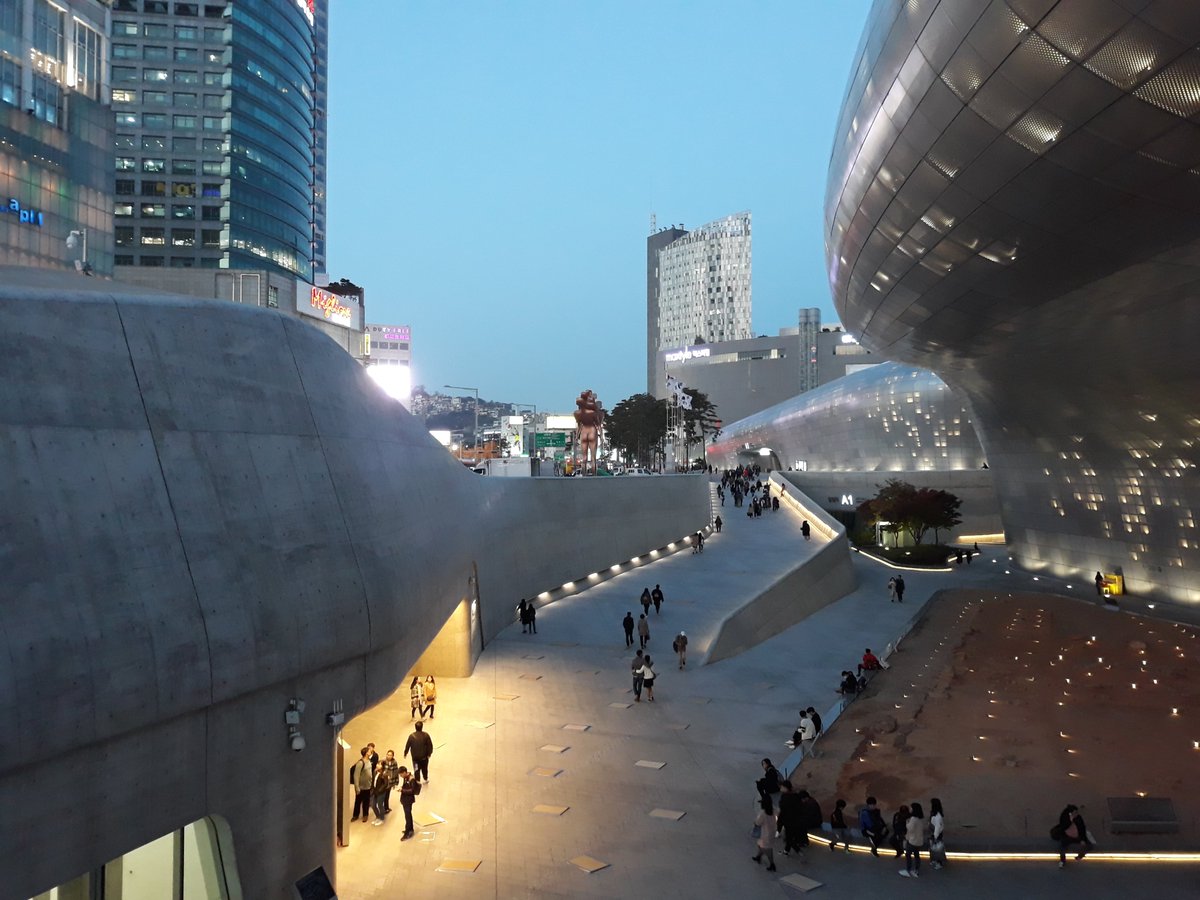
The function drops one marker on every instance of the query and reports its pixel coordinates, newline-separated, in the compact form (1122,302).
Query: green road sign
(551,439)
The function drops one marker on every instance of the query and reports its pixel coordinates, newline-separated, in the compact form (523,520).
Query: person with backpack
(362,778)
(646,599)
(872,826)
(409,788)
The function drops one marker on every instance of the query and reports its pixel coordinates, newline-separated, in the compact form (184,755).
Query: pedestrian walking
(416,697)
(419,747)
(636,666)
(680,647)
(717,523)
(806,530)
(1071,829)
(810,815)
(837,823)
(1099,579)
(937,832)
(643,630)
(872,826)
(657,596)
(891,588)
(430,688)
(409,788)
(789,819)
(646,600)
(648,676)
(899,827)
(362,780)
(899,588)
(916,835)
(627,624)
(765,825)
(521,607)
(531,612)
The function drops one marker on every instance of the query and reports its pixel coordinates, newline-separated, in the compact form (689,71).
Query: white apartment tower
(701,281)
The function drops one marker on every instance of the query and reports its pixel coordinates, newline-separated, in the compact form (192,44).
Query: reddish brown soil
(1007,707)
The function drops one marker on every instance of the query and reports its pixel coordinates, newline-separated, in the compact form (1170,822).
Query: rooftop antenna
(653,222)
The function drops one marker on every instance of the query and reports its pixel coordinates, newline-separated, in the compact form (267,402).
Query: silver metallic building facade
(1013,202)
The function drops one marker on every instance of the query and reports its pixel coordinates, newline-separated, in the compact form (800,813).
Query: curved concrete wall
(1013,203)
(209,509)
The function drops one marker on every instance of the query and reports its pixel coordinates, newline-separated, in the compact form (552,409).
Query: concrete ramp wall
(816,582)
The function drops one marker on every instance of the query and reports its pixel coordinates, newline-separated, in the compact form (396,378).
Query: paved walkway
(509,753)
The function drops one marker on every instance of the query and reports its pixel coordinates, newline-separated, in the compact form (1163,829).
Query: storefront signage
(687,353)
(399,333)
(26,215)
(322,304)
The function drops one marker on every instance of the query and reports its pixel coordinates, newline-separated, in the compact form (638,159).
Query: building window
(213,101)
(154,75)
(154,30)
(214,79)
(87,60)
(210,213)
(124,187)
(124,96)
(154,189)
(212,123)
(154,165)
(122,210)
(155,54)
(211,190)
(183,167)
(183,212)
(181,237)
(184,190)
(152,262)
(183,144)
(126,118)
(10,82)
(214,34)
(187,54)
(187,122)
(188,101)
(155,6)
(154,210)
(122,259)
(126,164)
(187,9)
(123,74)
(273,296)
(125,51)
(124,236)
(126,29)
(214,57)
(213,167)
(158,98)
(47,100)
(154,120)
(49,25)
(213,12)
(187,33)
(213,145)
(210,239)
(183,76)
(182,262)
(154,237)
(153,142)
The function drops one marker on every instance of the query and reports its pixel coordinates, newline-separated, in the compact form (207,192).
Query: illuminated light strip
(997,538)
(892,565)
(1164,856)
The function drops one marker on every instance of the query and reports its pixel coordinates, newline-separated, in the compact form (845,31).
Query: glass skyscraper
(55,135)
(220,134)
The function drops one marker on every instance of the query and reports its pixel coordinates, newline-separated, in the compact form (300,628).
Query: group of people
(807,731)
(527,613)
(373,780)
(643,676)
(422,696)
(895,589)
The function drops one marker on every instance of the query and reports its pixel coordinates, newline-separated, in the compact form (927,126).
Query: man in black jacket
(810,816)
(420,747)
(789,819)
(409,788)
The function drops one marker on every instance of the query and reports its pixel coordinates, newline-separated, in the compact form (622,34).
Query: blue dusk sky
(494,166)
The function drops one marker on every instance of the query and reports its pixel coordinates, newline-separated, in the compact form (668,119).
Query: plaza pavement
(498,734)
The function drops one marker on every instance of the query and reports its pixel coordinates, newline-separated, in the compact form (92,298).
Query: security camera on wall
(297,741)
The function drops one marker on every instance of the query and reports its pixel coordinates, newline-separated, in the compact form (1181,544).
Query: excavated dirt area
(1009,706)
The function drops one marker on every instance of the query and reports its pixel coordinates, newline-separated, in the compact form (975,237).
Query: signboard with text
(329,307)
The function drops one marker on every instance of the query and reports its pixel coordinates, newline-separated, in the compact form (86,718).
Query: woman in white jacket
(915,837)
(937,830)
(765,822)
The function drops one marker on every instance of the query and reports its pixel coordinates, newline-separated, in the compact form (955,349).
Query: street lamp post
(534,405)
(455,387)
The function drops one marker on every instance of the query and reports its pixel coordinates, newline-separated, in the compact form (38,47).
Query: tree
(699,421)
(637,426)
(902,507)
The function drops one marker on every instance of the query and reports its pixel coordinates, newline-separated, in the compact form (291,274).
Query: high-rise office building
(220,133)
(56,178)
(698,286)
